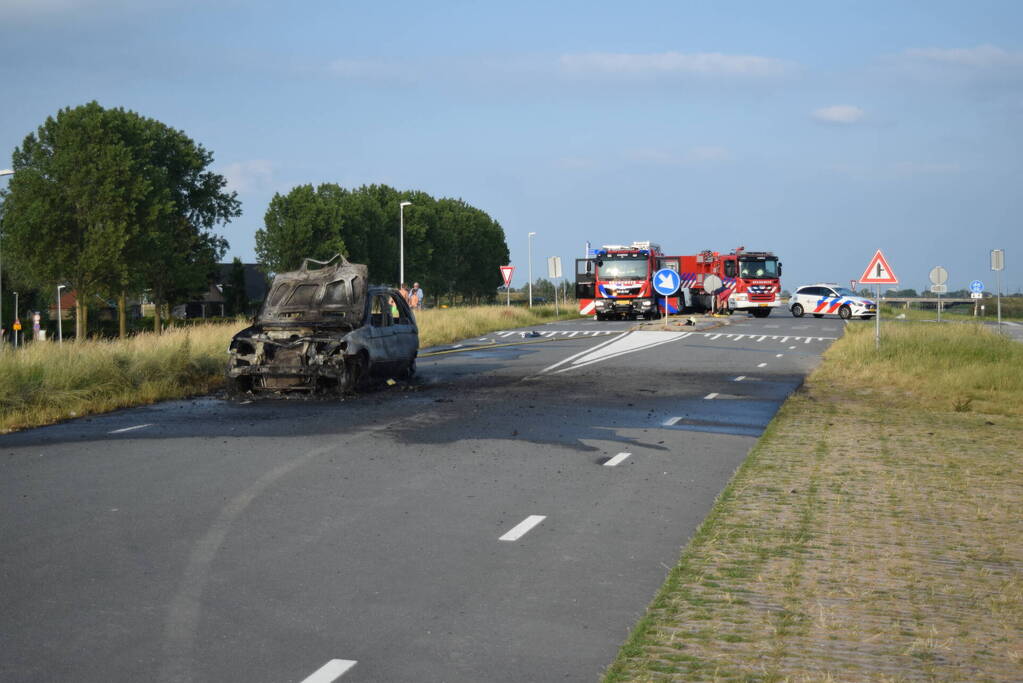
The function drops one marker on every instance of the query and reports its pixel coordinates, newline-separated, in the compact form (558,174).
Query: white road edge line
(762,365)
(331,671)
(671,422)
(711,395)
(739,378)
(617,459)
(130,429)
(522,528)
(778,355)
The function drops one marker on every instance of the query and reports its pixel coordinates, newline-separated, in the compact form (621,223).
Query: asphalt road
(480,524)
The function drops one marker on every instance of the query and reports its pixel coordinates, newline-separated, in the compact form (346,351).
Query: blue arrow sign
(976,286)
(666,282)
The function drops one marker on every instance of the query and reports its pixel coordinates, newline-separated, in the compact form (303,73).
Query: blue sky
(818,130)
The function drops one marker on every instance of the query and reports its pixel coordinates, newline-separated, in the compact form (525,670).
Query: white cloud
(980,57)
(839,113)
(248,176)
(705,64)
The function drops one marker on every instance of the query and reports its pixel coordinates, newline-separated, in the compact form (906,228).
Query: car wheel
(355,373)
(797,311)
(237,387)
(818,315)
(845,312)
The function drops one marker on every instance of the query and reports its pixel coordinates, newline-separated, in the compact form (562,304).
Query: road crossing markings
(739,378)
(791,347)
(522,528)
(716,336)
(613,462)
(574,333)
(710,396)
(762,365)
(778,355)
(762,338)
(130,429)
(807,340)
(784,339)
(331,671)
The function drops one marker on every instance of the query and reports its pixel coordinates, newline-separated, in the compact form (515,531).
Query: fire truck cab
(615,281)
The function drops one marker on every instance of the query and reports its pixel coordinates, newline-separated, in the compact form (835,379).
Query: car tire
(845,312)
(797,311)
(355,373)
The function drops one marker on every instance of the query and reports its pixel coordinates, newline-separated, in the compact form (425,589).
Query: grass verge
(45,382)
(872,534)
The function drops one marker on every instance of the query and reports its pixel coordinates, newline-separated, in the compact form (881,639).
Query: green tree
(105,199)
(305,223)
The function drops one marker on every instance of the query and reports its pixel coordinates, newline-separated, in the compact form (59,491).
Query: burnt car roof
(333,294)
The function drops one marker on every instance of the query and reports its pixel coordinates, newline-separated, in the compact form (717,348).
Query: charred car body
(323,329)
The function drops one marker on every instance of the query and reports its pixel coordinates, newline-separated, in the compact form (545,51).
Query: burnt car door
(381,334)
(406,333)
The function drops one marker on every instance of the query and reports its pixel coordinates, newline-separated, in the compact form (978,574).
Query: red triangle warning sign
(878,272)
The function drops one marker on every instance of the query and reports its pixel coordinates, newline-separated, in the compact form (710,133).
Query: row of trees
(109,201)
(450,247)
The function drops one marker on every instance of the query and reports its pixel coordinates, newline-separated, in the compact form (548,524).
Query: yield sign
(878,272)
(506,273)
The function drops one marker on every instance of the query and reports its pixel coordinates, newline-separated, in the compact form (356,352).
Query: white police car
(827,298)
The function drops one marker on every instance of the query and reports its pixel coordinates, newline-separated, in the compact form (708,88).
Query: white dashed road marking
(130,429)
(778,355)
(739,378)
(330,671)
(711,395)
(613,462)
(671,421)
(522,528)
(762,365)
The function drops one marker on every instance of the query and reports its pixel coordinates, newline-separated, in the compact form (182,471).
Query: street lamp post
(401,241)
(531,269)
(3,172)
(60,329)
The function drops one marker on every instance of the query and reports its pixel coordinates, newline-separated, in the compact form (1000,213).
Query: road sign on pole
(878,272)
(977,287)
(666,282)
(998,265)
(506,273)
(939,276)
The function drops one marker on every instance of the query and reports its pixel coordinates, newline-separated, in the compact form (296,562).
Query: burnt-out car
(324,329)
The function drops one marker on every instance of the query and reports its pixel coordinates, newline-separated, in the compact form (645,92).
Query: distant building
(212,303)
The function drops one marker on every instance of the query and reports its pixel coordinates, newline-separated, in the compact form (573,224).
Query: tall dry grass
(965,365)
(45,382)
(445,325)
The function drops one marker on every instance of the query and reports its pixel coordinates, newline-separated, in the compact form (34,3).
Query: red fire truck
(616,282)
(750,281)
